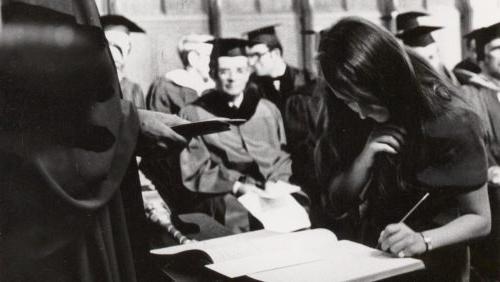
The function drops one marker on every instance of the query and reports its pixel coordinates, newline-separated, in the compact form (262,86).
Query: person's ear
(192,58)
(481,65)
(275,53)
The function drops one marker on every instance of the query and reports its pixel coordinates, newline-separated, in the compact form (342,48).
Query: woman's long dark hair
(363,62)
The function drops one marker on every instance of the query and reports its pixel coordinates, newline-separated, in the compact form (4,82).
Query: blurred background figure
(276,79)
(246,156)
(169,94)
(469,67)
(117,29)
(483,92)
(418,37)
(179,87)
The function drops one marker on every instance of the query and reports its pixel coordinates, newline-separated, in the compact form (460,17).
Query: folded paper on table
(277,211)
(206,126)
(297,256)
(278,189)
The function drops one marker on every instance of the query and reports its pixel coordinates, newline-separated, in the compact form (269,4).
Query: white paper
(344,261)
(278,189)
(279,214)
(309,255)
(263,262)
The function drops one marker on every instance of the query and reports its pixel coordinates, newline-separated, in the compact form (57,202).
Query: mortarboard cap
(473,34)
(408,20)
(228,47)
(264,35)
(483,36)
(419,36)
(411,32)
(112,21)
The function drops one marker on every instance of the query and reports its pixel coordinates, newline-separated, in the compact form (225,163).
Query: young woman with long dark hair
(425,139)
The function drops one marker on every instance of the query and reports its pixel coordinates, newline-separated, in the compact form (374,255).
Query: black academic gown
(66,146)
(465,70)
(290,81)
(250,153)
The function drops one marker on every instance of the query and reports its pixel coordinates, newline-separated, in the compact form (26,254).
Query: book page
(345,261)
(257,263)
(214,243)
(257,244)
(281,250)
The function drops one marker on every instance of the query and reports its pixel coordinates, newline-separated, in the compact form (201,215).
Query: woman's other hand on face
(400,240)
(384,138)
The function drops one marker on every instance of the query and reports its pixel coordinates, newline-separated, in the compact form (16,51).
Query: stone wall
(165,21)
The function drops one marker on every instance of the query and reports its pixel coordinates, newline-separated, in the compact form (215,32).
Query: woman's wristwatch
(427,242)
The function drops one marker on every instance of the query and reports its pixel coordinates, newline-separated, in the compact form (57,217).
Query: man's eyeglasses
(256,55)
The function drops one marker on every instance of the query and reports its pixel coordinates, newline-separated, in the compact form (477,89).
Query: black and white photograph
(249,140)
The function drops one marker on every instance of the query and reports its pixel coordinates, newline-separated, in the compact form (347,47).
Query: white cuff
(236,187)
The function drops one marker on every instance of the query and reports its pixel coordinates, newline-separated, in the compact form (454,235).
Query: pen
(414,207)
(410,212)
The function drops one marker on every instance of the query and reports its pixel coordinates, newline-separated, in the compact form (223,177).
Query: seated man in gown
(247,155)
(172,91)
(117,29)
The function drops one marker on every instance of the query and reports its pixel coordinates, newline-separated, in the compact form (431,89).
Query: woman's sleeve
(456,154)
(475,99)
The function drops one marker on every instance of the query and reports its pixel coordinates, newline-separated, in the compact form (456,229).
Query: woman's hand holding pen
(384,138)
(402,241)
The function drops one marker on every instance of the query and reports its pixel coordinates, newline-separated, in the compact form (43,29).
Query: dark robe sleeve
(455,155)
(200,173)
(476,100)
(273,161)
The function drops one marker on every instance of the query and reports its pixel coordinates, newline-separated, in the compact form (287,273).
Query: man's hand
(156,125)
(240,188)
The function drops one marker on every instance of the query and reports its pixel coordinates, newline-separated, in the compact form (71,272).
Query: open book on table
(300,256)
(208,126)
